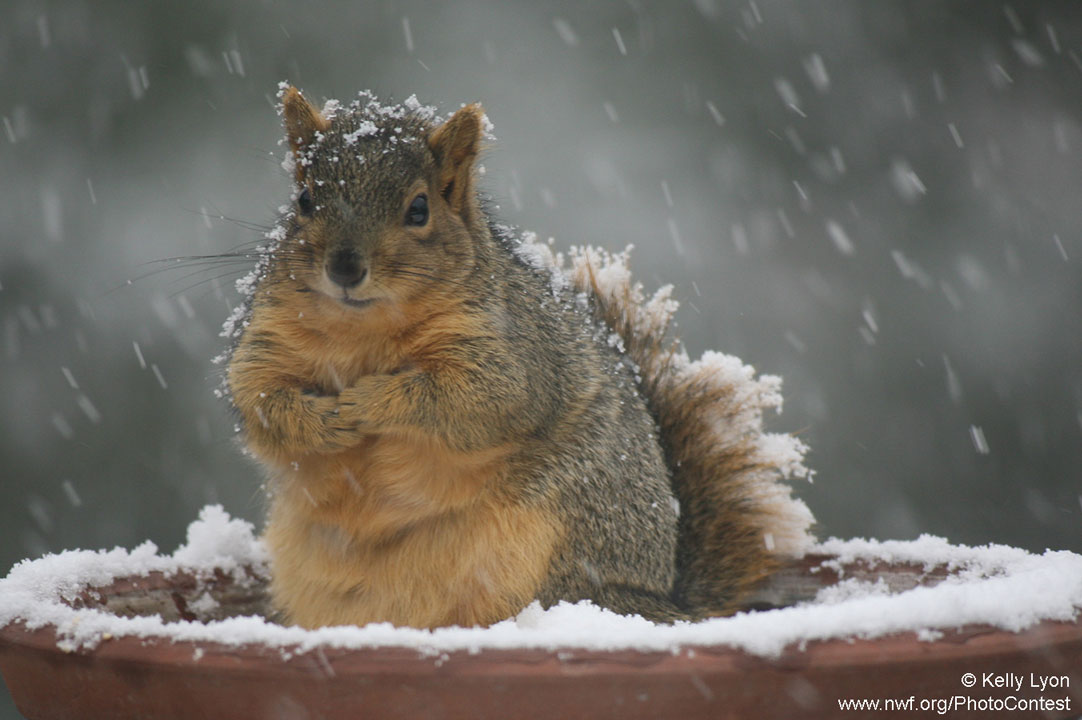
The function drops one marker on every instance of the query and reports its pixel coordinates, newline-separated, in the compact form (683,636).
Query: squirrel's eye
(418,211)
(305,203)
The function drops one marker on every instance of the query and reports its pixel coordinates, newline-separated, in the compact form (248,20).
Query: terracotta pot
(129,677)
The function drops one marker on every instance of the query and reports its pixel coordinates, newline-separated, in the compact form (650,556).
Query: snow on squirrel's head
(384,196)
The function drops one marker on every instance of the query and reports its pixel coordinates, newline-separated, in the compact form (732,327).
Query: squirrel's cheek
(426,238)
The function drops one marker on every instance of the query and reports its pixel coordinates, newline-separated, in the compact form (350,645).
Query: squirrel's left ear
(455,145)
(302,121)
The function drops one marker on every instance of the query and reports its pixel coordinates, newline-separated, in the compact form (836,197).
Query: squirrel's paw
(358,404)
(331,430)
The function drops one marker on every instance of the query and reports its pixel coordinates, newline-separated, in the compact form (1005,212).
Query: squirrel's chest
(331,353)
(333,365)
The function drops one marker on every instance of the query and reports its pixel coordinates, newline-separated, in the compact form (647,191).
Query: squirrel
(452,429)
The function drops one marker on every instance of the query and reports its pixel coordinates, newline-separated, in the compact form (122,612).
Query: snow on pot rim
(998,586)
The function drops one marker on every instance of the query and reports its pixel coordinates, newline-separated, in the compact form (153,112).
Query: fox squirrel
(451,432)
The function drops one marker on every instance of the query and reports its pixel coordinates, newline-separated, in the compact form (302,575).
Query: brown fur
(405,552)
(446,439)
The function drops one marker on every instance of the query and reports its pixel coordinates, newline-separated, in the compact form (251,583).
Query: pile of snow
(994,585)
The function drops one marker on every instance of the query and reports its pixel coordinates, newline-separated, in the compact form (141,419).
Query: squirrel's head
(385,204)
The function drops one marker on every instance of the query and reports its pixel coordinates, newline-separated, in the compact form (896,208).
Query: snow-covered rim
(994,585)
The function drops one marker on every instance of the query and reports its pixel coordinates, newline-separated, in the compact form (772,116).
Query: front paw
(357,404)
(333,432)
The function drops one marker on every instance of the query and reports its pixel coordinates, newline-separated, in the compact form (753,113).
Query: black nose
(345,268)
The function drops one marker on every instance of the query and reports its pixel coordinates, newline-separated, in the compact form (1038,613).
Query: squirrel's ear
(455,145)
(302,121)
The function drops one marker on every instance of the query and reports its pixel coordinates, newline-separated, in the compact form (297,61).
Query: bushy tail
(737,517)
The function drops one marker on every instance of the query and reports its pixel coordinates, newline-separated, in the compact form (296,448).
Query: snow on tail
(738,517)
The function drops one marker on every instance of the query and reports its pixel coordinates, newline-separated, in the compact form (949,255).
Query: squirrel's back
(453,427)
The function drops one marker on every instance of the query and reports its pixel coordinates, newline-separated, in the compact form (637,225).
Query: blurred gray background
(878,201)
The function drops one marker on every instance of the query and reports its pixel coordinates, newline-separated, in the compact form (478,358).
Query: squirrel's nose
(345,268)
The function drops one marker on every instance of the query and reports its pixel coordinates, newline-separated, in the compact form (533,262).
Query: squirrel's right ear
(455,145)
(302,121)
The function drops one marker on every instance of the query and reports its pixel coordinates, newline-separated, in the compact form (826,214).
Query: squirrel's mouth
(354,302)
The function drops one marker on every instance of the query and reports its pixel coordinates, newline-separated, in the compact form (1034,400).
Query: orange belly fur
(403,530)
(399,528)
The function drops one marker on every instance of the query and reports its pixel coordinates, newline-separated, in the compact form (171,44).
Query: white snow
(565,31)
(840,238)
(330,108)
(217,541)
(366,128)
(995,585)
